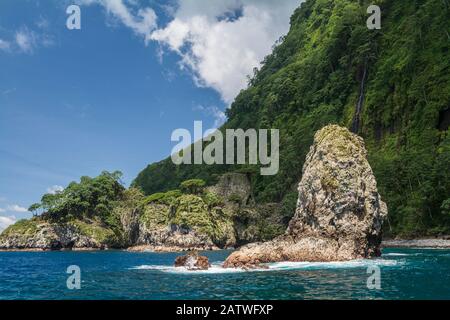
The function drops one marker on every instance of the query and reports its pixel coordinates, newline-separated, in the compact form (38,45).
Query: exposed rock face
(192,261)
(46,236)
(173,236)
(130,224)
(186,224)
(234,185)
(339,211)
(261,222)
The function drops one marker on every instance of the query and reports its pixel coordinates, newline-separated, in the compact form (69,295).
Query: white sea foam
(215,268)
(277,266)
(395,254)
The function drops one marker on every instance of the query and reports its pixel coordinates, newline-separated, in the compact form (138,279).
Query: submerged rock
(339,212)
(193,261)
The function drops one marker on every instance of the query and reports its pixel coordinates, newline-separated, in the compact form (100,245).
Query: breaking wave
(217,268)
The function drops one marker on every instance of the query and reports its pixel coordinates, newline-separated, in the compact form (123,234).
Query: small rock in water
(192,261)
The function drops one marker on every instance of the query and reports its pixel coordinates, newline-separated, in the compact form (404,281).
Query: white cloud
(16,208)
(219,41)
(6,221)
(222,41)
(142,20)
(25,40)
(2,210)
(55,189)
(4,45)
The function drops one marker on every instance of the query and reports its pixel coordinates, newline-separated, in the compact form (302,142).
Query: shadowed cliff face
(339,212)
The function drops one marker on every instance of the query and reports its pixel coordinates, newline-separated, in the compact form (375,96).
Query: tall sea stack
(339,212)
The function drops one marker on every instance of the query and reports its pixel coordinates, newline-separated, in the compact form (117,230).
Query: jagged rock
(261,222)
(234,185)
(130,225)
(173,236)
(186,226)
(192,261)
(339,211)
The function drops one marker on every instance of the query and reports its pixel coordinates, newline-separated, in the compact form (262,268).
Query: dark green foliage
(212,200)
(288,206)
(163,197)
(193,186)
(236,198)
(314,77)
(34,208)
(90,198)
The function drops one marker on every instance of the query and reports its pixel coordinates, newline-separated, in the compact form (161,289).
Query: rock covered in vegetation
(186,222)
(43,235)
(208,220)
(113,216)
(193,261)
(261,222)
(172,238)
(234,187)
(339,212)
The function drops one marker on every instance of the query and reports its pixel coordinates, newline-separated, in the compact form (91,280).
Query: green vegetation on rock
(22,227)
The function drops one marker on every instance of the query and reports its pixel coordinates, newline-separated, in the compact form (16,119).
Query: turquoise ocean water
(404,274)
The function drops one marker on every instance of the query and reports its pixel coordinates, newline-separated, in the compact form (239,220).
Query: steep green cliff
(391,86)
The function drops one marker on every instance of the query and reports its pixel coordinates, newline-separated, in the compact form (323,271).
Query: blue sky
(108,96)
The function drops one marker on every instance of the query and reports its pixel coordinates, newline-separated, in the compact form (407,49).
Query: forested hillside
(391,86)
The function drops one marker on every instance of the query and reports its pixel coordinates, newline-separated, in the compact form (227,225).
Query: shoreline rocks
(339,212)
(192,261)
(39,235)
(417,243)
(164,248)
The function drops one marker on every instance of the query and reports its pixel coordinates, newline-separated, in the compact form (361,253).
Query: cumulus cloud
(16,208)
(6,221)
(141,20)
(222,41)
(55,189)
